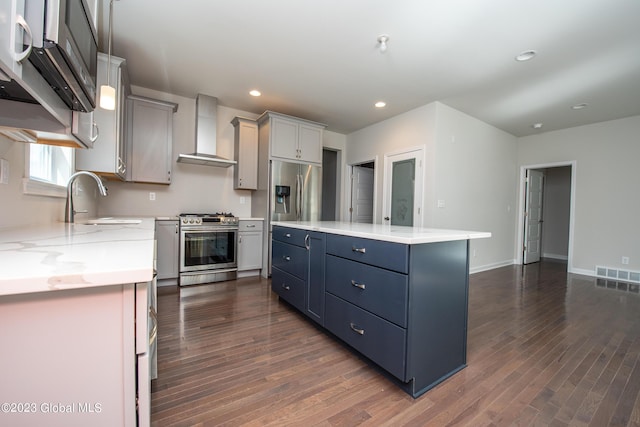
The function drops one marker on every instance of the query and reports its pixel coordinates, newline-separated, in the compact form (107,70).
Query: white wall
(194,188)
(469,164)
(476,177)
(415,128)
(607,206)
(17,208)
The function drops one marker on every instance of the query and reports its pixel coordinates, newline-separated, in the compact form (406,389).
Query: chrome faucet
(68,209)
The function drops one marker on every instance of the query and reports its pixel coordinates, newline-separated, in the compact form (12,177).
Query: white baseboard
(582,271)
(486,267)
(555,256)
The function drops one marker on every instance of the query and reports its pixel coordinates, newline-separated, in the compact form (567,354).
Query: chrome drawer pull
(286,287)
(251,226)
(361,250)
(357,285)
(286,257)
(287,235)
(356,330)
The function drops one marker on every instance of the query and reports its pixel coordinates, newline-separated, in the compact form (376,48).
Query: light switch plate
(4,171)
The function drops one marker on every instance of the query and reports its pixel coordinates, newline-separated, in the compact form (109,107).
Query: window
(47,169)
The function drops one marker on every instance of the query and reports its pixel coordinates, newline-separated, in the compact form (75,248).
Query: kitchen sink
(111,221)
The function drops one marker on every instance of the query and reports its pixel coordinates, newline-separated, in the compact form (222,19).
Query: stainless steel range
(208,248)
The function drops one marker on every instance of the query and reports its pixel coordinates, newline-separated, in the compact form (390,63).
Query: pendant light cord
(110,36)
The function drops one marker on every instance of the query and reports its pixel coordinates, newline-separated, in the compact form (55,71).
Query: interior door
(362,194)
(403,188)
(533,216)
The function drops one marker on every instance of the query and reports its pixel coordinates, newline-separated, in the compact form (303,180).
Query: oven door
(208,248)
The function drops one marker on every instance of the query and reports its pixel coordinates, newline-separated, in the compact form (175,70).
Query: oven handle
(205,229)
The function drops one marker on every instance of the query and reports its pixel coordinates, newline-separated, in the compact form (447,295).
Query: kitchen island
(74,323)
(397,295)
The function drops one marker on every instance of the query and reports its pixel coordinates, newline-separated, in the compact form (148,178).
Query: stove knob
(198,221)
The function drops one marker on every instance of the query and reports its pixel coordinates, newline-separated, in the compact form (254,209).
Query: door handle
(386,218)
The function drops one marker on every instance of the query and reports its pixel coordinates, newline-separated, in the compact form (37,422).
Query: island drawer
(379,291)
(289,258)
(288,287)
(292,236)
(389,255)
(379,340)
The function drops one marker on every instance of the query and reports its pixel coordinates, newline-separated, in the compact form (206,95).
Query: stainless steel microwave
(65,49)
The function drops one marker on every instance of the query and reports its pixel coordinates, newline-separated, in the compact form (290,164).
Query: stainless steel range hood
(205,154)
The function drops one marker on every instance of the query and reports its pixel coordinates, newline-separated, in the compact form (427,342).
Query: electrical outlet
(243,200)
(625,260)
(152,196)
(441,203)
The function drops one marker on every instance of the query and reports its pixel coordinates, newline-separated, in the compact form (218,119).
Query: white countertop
(62,256)
(387,233)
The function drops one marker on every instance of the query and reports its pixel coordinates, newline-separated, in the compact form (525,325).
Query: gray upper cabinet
(109,156)
(150,139)
(291,138)
(245,173)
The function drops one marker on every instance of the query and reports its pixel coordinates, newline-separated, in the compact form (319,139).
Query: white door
(362,194)
(533,216)
(403,188)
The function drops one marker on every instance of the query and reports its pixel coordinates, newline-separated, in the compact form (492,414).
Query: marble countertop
(60,256)
(388,233)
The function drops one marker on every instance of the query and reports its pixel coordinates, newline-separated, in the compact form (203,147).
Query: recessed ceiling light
(537,125)
(255,93)
(526,55)
(579,106)
(380,104)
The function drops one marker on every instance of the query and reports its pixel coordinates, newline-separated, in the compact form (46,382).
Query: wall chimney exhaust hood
(206,117)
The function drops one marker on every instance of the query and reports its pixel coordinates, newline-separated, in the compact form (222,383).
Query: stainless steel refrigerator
(295,194)
(296,191)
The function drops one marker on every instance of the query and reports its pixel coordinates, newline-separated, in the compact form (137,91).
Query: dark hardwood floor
(545,348)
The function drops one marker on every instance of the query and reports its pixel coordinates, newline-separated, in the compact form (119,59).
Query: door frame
(419,181)
(521,203)
(347,186)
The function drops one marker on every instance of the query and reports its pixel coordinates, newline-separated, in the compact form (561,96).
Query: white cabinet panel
(70,347)
(291,138)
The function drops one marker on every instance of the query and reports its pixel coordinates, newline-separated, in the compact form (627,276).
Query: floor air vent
(617,274)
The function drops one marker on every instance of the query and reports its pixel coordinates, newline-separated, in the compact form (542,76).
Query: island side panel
(70,355)
(438,300)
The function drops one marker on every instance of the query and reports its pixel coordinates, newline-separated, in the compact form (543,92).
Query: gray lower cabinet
(249,244)
(168,237)
(404,307)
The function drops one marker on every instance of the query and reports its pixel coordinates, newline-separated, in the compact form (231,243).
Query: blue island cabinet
(298,266)
(402,306)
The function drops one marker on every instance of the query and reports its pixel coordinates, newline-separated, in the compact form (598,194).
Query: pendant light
(108,92)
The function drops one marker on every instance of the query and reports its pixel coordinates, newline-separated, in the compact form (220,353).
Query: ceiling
(320,59)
